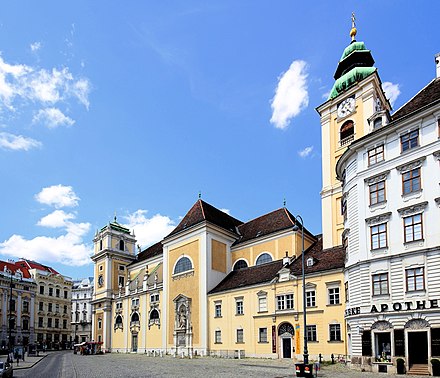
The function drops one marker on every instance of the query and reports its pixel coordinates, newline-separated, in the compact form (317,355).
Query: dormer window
(310,261)
(377,123)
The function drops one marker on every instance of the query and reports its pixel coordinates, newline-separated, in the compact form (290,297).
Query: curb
(30,366)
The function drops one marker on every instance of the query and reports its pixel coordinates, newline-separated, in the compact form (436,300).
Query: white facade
(392,234)
(82,294)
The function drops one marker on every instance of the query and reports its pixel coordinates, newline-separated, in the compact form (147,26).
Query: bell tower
(114,249)
(355,107)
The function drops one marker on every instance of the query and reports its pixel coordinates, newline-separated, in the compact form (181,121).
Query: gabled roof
(13,267)
(201,212)
(253,275)
(29,264)
(152,251)
(323,259)
(267,224)
(427,96)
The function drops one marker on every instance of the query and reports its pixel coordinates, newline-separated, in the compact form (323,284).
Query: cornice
(411,165)
(413,209)
(376,178)
(381,218)
(437,154)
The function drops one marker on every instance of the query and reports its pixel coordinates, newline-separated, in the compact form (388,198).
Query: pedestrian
(23,354)
(17,357)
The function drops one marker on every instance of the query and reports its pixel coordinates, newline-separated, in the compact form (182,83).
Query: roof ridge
(262,216)
(288,213)
(412,98)
(201,208)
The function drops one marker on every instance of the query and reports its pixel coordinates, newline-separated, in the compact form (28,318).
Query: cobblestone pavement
(137,365)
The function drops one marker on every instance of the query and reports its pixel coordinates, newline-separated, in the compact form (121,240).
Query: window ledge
(411,195)
(381,296)
(218,317)
(335,341)
(263,342)
(239,314)
(332,305)
(313,341)
(417,241)
(239,342)
(219,342)
(379,250)
(187,273)
(263,312)
(408,150)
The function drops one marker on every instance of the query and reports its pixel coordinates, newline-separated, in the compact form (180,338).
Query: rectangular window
(40,306)
(42,289)
(57,323)
(262,304)
(49,307)
(335,332)
(26,306)
(118,305)
(135,302)
(333,296)
(65,294)
(49,323)
(415,279)
(121,281)
(239,310)
(218,310)
(65,309)
(378,235)
(311,298)
(377,193)
(218,337)
(380,284)
(285,302)
(57,293)
(411,181)
(153,298)
(409,140)
(375,155)
(240,338)
(57,308)
(413,228)
(51,292)
(347,298)
(262,335)
(64,324)
(40,322)
(311,333)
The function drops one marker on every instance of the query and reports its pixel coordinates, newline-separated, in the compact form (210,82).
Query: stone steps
(418,369)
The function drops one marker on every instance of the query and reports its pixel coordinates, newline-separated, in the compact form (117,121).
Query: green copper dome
(352,47)
(347,80)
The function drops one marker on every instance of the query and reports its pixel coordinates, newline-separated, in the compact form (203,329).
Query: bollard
(333,358)
(320,358)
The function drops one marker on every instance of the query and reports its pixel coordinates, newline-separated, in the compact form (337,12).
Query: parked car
(6,369)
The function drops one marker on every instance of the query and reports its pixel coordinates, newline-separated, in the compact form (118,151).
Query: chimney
(437,65)
(286,259)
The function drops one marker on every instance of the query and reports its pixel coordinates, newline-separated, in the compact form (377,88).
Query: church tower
(355,107)
(114,249)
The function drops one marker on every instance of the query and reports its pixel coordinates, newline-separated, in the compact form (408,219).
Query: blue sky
(134,107)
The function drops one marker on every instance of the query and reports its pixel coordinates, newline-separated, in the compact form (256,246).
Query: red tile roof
(29,264)
(13,267)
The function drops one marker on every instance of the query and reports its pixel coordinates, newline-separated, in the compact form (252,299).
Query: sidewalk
(29,361)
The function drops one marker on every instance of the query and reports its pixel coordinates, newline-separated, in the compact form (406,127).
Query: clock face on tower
(100,280)
(346,107)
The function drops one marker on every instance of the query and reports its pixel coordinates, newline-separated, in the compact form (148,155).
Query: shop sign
(352,311)
(405,306)
(274,339)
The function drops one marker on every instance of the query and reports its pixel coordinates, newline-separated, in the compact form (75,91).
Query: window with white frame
(311,333)
(262,335)
(240,337)
(264,258)
(285,302)
(121,281)
(218,309)
(413,228)
(409,140)
(262,303)
(380,283)
(310,298)
(154,297)
(239,307)
(118,305)
(375,155)
(415,279)
(183,265)
(135,302)
(335,332)
(378,235)
(333,295)
(218,337)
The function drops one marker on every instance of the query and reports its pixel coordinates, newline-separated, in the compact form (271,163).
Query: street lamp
(10,315)
(296,228)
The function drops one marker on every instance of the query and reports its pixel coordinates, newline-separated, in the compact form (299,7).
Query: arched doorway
(285,334)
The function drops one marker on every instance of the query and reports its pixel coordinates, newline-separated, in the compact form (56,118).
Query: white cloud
(305,152)
(291,96)
(35,46)
(81,90)
(56,219)
(52,118)
(149,230)
(227,211)
(58,196)
(10,141)
(392,91)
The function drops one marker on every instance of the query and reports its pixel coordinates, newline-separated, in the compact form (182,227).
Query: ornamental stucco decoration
(377,178)
(437,201)
(345,233)
(411,165)
(378,218)
(382,325)
(417,324)
(437,155)
(417,208)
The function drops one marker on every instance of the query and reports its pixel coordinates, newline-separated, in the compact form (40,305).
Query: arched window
(118,320)
(121,245)
(135,317)
(154,314)
(347,130)
(240,264)
(263,259)
(183,265)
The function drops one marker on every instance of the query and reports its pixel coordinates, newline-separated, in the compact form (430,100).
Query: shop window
(382,344)
(367,349)
(399,343)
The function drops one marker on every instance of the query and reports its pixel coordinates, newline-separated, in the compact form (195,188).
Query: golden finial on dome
(353,30)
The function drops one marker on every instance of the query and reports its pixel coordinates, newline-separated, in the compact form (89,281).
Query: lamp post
(10,315)
(295,228)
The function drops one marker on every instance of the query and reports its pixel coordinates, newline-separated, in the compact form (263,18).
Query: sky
(134,107)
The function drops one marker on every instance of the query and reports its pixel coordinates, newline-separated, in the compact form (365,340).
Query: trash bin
(299,369)
(308,370)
